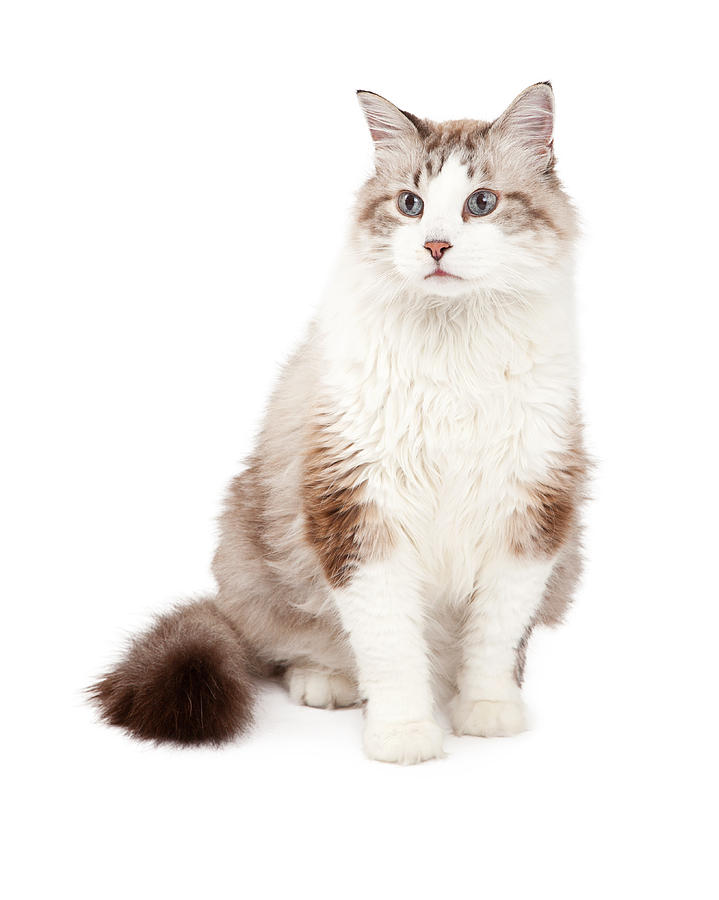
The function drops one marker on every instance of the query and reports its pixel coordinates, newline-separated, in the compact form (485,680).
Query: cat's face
(465,207)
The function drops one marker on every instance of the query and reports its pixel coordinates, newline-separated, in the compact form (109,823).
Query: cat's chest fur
(451,425)
(454,465)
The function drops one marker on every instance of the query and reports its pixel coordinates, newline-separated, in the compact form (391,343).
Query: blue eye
(481,203)
(410,204)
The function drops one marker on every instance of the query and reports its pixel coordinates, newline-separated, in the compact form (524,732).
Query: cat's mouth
(440,273)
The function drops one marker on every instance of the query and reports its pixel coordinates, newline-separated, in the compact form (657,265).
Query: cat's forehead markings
(463,137)
(435,163)
(452,180)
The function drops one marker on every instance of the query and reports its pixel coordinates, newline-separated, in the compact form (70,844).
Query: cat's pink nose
(437,248)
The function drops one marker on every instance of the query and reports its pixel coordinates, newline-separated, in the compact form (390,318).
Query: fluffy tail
(186,681)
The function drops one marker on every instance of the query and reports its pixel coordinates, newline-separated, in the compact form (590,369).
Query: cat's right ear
(527,125)
(388,125)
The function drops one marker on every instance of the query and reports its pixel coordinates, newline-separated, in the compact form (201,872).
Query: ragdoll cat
(410,512)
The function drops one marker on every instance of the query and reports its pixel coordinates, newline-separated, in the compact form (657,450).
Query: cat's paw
(488,718)
(405,743)
(321,689)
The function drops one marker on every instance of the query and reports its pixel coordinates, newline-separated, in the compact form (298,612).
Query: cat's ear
(388,125)
(528,124)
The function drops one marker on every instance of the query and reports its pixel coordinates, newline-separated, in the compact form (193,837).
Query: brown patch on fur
(186,681)
(421,125)
(550,517)
(552,510)
(369,210)
(532,216)
(343,528)
(441,139)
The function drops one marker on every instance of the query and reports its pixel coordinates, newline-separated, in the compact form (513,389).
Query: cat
(411,510)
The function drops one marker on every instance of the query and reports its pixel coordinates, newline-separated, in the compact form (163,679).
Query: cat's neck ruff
(370,323)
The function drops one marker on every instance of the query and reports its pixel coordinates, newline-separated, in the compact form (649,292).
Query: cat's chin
(445,287)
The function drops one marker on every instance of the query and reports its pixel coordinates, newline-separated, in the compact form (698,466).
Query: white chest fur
(452,410)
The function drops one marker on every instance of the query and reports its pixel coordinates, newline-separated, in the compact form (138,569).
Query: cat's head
(464,207)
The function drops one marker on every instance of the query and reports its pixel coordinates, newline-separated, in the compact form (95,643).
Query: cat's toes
(403,742)
(324,690)
(488,718)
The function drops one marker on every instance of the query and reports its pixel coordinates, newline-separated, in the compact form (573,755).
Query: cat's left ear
(528,123)
(388,125)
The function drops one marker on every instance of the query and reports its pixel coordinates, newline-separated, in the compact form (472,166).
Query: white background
(175,182)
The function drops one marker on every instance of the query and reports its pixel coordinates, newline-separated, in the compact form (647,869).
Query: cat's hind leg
(319,687)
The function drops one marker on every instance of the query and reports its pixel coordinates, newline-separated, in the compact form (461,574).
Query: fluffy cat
(410,512)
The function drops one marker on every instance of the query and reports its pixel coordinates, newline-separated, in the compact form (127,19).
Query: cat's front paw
(488,718)
(405,743)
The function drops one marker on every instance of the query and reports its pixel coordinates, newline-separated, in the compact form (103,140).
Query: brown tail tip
(186,681)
